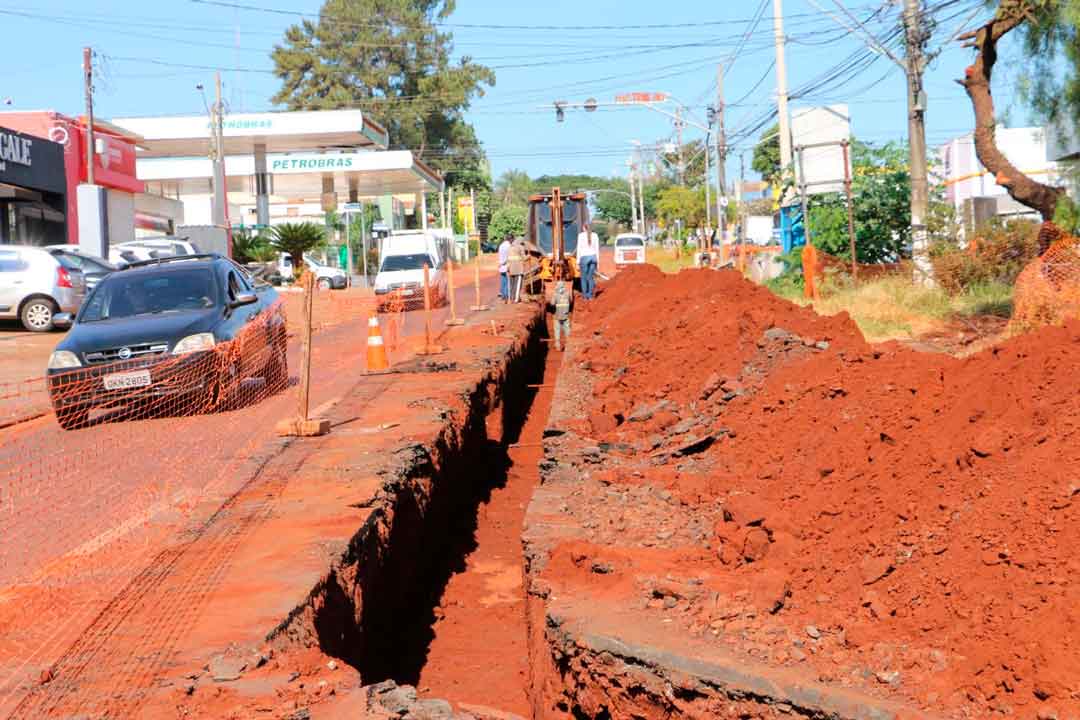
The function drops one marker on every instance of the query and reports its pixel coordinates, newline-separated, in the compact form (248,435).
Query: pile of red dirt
(920,512)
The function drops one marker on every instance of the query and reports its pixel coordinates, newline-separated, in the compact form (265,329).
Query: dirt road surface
(83,512)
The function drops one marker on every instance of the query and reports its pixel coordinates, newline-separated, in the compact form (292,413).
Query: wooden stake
(479,306)
(453,319)
(301,425)
(428,348)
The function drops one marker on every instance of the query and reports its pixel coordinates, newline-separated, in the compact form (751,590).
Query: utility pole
(641,201)
(633,197)
(708,184)
(640,165)
(721,154)
(220,213)
(739,196)
(915,38)
(88,82)
(781,85)
(678,136)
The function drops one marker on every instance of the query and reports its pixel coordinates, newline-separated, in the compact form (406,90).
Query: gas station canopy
(302,174)
(244,133)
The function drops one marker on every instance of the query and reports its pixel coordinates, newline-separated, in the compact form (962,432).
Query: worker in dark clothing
(562,302)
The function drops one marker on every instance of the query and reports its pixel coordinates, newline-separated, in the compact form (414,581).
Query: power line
(476,26)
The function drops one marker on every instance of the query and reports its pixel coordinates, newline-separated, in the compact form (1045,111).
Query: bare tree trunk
(1037,196)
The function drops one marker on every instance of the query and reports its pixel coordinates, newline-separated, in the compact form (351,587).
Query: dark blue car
(183,332)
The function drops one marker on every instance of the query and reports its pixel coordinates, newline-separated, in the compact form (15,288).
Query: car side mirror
(245,299)
(63,321)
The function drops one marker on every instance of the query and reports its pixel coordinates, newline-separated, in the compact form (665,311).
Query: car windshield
(629,242)
(123,294)
(391,263)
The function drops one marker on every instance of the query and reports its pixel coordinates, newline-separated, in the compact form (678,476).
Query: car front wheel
(324,283)
(37,314)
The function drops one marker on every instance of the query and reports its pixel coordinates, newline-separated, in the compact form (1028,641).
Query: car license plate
(126,381)
(408,292)
(631,255)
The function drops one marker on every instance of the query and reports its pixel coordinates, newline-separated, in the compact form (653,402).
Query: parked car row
(37,283)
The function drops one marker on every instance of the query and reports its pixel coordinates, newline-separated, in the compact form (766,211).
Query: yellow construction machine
(553,226)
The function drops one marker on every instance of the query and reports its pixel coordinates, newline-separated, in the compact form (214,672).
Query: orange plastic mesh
(819,265)
(124,463)
(1047,291)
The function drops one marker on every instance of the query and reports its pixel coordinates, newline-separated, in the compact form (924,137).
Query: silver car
(34,286)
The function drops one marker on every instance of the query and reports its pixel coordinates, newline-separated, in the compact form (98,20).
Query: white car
(326,277)
(629,249)
(403,274)
(35,286)
(155,247)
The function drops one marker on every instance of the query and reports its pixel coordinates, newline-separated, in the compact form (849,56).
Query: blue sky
(142,47)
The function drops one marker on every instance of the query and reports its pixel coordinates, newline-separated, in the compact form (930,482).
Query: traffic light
(560,114)
(710,114)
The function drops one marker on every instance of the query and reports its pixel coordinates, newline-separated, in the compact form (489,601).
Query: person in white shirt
(504,259)
(588,254)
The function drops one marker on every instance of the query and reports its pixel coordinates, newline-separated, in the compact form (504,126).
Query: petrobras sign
(15,148)
(313,162)
(244,123)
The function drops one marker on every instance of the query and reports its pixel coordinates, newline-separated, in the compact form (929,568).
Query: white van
(629,249)
(401,268)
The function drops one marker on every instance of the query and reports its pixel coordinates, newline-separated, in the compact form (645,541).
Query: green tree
(613,203)
(509,220)
(389,58)
(678,202)
(766,160)
(295,239)
(513,188)
(251,246)
(881,186)
(693,154)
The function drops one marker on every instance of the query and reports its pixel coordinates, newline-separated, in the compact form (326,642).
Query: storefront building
(128,208)
(33,190)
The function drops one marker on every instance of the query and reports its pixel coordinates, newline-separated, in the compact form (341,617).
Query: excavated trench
(430,592)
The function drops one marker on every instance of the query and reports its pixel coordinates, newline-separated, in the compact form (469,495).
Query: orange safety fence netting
(819,266)
(138,449)
(1047,291)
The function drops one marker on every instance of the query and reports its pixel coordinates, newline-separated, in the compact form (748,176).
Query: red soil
(918,508)
(478,655)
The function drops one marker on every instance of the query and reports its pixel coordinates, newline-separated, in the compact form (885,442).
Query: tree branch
(1010,14)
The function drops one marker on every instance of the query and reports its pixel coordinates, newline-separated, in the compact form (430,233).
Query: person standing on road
(588,253)
(516,268)
(504,258)
(562,301)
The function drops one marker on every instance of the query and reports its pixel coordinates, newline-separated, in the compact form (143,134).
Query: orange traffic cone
(376,350)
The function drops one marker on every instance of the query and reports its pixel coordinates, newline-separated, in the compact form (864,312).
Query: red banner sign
(640,97)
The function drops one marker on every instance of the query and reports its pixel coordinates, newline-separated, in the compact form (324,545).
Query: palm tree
(513,187)
(251,246)
(296,239)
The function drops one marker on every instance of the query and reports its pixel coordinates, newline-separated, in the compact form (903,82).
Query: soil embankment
(746,506)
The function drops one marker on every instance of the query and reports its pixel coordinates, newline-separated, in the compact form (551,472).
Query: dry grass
(664,258)
(894,308)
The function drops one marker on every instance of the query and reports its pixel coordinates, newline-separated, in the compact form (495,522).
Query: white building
(1063,146)
(966,179)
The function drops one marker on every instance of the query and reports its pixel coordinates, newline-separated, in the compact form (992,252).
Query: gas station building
(281,166)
